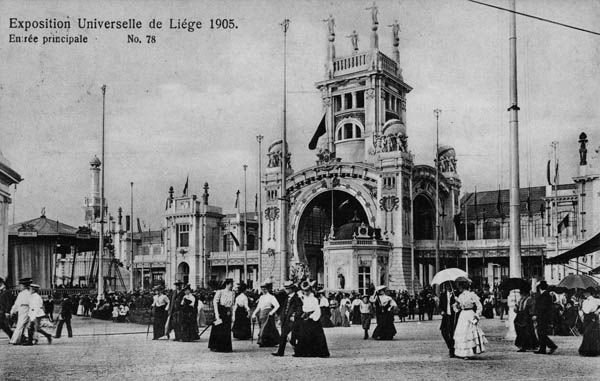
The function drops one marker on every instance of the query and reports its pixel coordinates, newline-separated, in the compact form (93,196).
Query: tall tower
(92,203)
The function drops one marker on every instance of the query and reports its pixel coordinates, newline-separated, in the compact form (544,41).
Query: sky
(192,103)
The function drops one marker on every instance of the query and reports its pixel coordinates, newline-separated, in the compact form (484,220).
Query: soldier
(292,311)
(21,306)
(64,318)
(6,302)
(36,313)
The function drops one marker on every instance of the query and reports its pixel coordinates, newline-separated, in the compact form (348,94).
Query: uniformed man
(6,302)
(36,313)
(291,313)
(21,307)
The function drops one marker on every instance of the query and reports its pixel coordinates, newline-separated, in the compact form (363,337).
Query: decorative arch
(183,272)
(349,128)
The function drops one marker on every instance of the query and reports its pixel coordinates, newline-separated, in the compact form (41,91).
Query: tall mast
(100,279)
(245,230)
(259,138)
(131,239)
(437,113)
(284,252)
(515,203)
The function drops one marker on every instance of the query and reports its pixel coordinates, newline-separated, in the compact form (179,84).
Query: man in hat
(448,324)
(292,310)
(384,314)
(174,319)
(36,313)
(64,318)
(6,302)
(543,317)
(21,307)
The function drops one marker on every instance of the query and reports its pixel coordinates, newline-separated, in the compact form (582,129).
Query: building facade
(8,177)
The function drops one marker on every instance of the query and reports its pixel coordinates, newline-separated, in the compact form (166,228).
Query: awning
(589,246)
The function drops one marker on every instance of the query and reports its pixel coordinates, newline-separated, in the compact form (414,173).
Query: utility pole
(284,251)
(437,113)
(100,279)
(515,202)
(245,229)
(131,239)
(259,138)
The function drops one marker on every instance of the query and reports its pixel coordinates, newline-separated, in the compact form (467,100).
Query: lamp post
(283,240)
(437,113)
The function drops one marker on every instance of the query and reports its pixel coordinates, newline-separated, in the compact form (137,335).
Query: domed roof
(350,229)
(95,162)
(445,150)
(275,147)
(394,127)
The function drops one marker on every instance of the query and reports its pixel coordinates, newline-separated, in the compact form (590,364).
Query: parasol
(514,284)
(578,281)
(449,275)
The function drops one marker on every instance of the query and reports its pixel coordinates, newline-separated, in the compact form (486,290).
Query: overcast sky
(193,102)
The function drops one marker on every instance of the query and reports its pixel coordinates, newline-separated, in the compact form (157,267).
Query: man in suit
(448,325)
(6,302)
(64,318)
(544,310)
(174,319)
(290,315)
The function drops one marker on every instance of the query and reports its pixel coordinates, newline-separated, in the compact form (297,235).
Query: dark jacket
(65,309)
(6,301)
(444,301)
(544,308)
(291,307)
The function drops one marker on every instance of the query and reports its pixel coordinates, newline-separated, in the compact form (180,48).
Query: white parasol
(448,275)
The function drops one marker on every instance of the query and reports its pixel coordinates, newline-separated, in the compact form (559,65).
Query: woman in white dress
(265,311)
(469,339)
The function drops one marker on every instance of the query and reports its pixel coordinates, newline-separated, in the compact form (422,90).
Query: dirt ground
(120,351)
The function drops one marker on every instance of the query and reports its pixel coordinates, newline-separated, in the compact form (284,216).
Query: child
(365,315)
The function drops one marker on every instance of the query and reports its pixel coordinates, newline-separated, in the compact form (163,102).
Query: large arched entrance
(315,225)
(424,215)
(183,272)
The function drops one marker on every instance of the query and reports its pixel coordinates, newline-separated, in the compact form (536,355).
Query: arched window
(348,129)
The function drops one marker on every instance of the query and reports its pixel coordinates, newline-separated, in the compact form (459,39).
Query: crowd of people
(302,311)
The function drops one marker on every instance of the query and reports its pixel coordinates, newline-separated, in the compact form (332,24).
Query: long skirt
(160,318)
(241,325)
(590,346)
(220,335)
(336,316)
(526,338)
(189,325)
(310,340)
(345,316)
(385,329)
(326,317)
(365,321)
(201,318)
(268,336)
(356,318)
(469,339)
(80,310)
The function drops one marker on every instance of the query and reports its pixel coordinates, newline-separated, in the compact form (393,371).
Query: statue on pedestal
(330,25)
(354,38)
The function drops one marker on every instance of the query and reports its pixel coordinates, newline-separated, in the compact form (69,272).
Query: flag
(563,224)
(499,205)
(321,130)
(256,203)
(237,198)
(127,223)
(475,204)
(185,187)
(139,225)
(529,211)
(552,181)
(237,243)
(542,210)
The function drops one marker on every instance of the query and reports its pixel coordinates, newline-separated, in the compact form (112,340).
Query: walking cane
(148,330)
(252,336)
(207,327)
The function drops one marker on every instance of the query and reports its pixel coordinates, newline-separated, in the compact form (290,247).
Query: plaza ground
(120,351)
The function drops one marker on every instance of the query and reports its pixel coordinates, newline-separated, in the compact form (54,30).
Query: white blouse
(266,301)
(590,305)
(160,300)
(242,301)
(311,304)
(468,300)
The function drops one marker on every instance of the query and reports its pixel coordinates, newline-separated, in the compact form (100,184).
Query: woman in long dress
(334,309)
(189,325)
(265,311)
(469,339)
(384,314)
(325,311)
(310,338)
(241,312)
(160,307)
(526,338)
(345,311)
(220,333)
(356,319)
(590,308)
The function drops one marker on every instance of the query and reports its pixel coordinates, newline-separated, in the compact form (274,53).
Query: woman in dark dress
(160,312)
(310,338)
(384,313)
(526,338)
(325,311)
(265,311)
(590,345)
(189,325)
(241,324)
(220,333)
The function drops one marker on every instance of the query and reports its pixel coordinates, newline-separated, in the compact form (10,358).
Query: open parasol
(449,275)
(577,281)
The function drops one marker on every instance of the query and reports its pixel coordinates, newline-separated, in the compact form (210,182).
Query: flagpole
(259,138)
(284,252)
(466,237)
(100,278)
(555,148)
(412,228)
(437,113)
(131,251)
(515,204)
(245,229)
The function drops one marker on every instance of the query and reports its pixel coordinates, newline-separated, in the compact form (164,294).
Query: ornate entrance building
(349,215)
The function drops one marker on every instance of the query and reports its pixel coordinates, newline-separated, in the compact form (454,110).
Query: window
(360,99)
(251,242)
(337,103)
(364,279)
(348,130)
(228,243)
(183,235)
(348,101)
